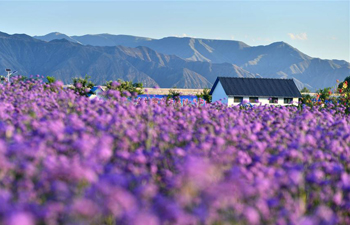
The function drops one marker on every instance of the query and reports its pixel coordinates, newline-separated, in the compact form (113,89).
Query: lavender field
(65,159)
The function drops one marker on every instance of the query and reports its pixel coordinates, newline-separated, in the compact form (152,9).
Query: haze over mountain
(277,60)
(65,59)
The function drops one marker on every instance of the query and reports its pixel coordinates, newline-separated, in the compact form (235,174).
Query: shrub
(50,80)
(205,94)
(126,88)
(82,86)
(324,94)
(344,85)
(173,94)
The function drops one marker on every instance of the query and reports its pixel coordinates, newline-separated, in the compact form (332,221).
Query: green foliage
(305,90)
(344,92)
(2,79)
(323,97)
(324,93)
(306,99)
(50,80)
(205,95)
(138,85)
(341,84)
(82,86)
(126,88)
(173,94)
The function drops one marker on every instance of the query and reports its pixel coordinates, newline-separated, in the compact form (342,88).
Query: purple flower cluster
(65,159)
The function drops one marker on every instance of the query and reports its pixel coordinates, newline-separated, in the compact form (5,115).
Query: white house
(237,90)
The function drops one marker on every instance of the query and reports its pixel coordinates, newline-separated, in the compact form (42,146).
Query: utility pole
(9,73)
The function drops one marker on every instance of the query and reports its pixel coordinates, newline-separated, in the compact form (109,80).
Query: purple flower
(85,208)
(252,215)
(141,217)
(79,85)
(65,158)
(115,84)
(23,218)
(58,83)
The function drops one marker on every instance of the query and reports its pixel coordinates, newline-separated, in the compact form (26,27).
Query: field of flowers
(65,159)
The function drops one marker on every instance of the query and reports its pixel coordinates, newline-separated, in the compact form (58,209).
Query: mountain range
(167,62)
(64,60)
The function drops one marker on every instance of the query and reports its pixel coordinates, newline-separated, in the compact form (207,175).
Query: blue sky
(317,28)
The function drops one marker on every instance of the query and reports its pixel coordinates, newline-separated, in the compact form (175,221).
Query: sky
(317,28)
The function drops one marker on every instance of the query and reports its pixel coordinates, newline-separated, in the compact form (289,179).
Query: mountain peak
(56,33)
(17,36)
(280,44)
(23,36)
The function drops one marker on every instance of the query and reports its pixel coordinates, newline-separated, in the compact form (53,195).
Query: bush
(126,88)
(324,94)
(50,80)
(344,91)
(306,99)
(82,86)
(173,94)
(344,86)
(205,94)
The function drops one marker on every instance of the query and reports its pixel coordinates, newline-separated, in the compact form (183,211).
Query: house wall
(262,100)
(219,94)
(295,101)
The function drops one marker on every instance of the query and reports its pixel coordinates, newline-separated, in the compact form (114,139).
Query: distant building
(95,92)
(236,90)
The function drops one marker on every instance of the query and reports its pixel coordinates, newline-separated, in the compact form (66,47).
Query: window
(287,100)
(238,99)
(273,100)
(253,99)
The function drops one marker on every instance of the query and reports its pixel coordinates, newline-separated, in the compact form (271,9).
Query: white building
(95,91)
(255,91)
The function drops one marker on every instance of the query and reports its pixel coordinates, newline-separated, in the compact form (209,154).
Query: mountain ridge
(276,60)
(64,60)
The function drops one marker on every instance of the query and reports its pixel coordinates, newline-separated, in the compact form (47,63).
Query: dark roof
(95,88)
(264,87)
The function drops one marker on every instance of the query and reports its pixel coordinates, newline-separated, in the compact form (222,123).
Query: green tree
(205,94)
(305,90)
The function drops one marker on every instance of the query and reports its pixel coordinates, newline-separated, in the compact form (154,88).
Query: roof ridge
(262,78)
